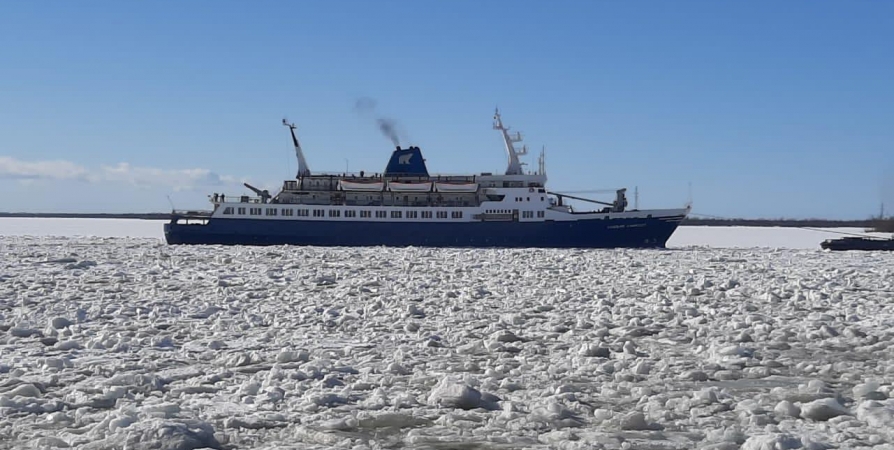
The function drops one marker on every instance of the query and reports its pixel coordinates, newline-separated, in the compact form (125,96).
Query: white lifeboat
(409,186)
(366,186)
(456,187)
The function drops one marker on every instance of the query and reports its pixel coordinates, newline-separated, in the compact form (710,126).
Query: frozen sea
(733,338)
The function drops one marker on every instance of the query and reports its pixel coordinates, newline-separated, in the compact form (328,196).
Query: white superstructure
(406,192)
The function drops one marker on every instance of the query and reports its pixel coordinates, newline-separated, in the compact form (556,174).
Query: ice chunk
(24,390)
(637,421)
(23,332)
(287,356)
(121,422)
(642,368)
(786,408)
(60,323)
(505,336)
(68,345)
(50,442)
(772,442)
(397,369)
(823,409)
(158,434)
(594,350)
(556,415)
(451,393)
(694,375)
(869,391)
(415,311)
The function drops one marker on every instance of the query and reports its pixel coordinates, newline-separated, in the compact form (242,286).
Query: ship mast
(303,170)
(515,166)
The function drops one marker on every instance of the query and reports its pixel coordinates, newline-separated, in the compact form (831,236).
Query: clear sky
(768,108)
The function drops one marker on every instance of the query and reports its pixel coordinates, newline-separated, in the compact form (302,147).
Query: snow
(754,237)
(38,226)
(122,341)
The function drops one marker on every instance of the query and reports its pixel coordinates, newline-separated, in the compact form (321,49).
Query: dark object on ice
(858,243)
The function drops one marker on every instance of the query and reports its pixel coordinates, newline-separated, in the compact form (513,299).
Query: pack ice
(114,343)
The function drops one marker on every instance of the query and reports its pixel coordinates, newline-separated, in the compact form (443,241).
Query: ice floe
(130,343)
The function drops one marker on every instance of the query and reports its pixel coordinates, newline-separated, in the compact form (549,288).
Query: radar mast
(515,166)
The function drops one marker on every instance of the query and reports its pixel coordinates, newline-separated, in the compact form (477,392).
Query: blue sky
(768,109)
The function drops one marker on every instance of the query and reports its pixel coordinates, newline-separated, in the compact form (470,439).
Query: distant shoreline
(144,216)
(811,223)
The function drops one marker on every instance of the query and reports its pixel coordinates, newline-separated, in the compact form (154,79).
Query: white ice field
(735,338)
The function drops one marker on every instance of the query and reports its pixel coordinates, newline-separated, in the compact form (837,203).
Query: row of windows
(524,214)
(337,213)
(522,199)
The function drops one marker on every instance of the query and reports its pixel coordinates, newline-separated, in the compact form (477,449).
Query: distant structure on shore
(883,224)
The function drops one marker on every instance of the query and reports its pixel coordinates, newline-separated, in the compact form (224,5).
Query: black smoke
(387,126)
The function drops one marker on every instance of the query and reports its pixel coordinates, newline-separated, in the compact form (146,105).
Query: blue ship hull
(589,233)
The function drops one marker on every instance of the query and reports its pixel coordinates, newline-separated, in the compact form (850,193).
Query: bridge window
(426,214)
(457,214)
(334,213)
(255,211)
(395,214)
(381,214)
(442,214)
(228,210)
(350,213)
(412,214)
(271,211)
(288,212)
(540,214)
(364,214)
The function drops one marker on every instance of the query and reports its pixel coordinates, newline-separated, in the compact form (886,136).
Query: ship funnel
(407,162)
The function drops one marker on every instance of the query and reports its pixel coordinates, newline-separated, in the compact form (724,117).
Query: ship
(859,243)
(406,206)
(866,242)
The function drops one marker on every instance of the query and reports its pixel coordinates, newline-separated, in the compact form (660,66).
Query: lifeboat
(366,186)
(409,186)
(456,187)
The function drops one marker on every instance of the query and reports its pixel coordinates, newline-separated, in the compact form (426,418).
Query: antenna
(171,203)
(636,197)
